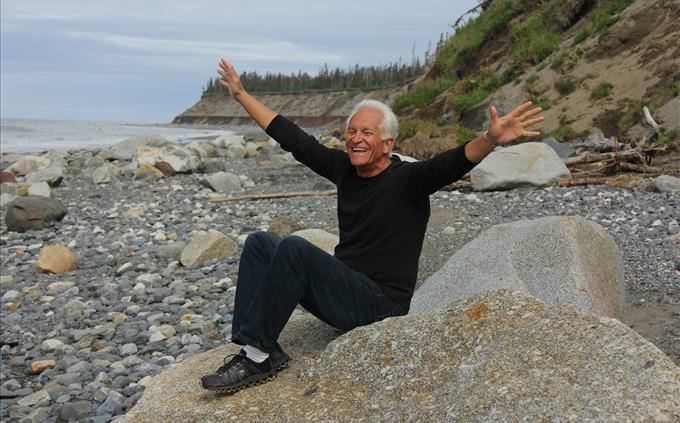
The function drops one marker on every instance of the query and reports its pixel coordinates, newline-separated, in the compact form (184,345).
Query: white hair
(389,127)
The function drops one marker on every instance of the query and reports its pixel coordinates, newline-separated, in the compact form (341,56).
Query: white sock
(255,354)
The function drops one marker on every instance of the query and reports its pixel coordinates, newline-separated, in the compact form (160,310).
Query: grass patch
(421,96)
(469,39)
(668,137)
(563,133)
(465,134)
(582,36)
(602,90)
(632,115)
(533,78)
(476,94)
(541,102)
(559,60)
(533,41)
(566,86)
(416,126)
(606,14)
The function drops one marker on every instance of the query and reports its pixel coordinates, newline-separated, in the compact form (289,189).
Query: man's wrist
(489,139)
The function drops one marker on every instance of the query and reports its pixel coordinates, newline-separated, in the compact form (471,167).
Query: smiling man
(383,209)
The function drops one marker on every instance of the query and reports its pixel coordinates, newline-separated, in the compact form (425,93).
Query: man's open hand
(230,79)
(503,130)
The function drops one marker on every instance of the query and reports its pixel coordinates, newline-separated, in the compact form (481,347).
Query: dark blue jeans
(277,274)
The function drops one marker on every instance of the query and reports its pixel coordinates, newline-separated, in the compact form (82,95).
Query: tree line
(356,77)
(353,78)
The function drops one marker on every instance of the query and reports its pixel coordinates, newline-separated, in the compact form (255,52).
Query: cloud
(263,50)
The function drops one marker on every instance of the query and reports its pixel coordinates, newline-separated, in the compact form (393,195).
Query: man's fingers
(531,133)
(532,121)
(493,113)
(520,109)
(531,112)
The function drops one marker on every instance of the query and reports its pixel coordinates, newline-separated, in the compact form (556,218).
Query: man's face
(367,151)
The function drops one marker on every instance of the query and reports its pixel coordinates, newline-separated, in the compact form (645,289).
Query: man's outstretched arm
(230,80)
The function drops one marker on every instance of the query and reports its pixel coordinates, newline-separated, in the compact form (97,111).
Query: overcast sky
(147,60)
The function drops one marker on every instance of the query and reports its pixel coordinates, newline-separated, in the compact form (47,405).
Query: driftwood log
(274,195)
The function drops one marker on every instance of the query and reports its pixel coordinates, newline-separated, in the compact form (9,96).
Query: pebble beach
(130,309)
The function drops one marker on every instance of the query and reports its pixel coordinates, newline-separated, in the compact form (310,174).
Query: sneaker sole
(284,364)
(240,386)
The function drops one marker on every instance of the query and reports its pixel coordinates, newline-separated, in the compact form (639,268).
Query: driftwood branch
(274,195)
(650,120)
(572,182)
(650,170)
(482,5)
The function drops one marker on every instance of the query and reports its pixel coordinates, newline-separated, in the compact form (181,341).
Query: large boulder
(40,189)
(207,247)
(667,183)
(559,260)
(497,357)
(104,173)
(222,182)
(33,213)
(52,174)
(182,160)
(224,141)
(528,164)
(127,150)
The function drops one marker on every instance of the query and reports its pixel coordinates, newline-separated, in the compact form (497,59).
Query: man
(383,209)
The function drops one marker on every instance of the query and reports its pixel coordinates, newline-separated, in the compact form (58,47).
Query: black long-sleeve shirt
(382,218)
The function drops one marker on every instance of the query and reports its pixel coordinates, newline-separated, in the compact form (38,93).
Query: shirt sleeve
(440,170)
(306,149)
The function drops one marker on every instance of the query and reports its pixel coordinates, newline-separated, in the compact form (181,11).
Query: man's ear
(389,144)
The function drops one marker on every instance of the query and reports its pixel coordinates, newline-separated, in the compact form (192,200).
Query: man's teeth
(358,150)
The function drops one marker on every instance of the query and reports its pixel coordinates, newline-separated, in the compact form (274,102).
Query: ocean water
(36,135)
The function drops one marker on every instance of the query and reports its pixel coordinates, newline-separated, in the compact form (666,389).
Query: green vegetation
(632,115)
(666,93)
(602,90)
(668,137)
(541,102)
(582,36)
(533,41)
(533,78)
(559,60)
(421,96)
(465,134)
(606,13)
(476,93)
(416,126)
(563,133)
(566,86)
(470,38)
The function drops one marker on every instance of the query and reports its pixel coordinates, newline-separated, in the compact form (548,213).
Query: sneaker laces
(231,361)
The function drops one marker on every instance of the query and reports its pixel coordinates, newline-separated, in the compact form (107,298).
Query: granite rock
(499,356)
(33,213)
(528,164)
(556,259)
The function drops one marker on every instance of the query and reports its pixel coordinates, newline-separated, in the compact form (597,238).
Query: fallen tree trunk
(274,195)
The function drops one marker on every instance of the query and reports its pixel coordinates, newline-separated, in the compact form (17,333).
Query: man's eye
(368,133)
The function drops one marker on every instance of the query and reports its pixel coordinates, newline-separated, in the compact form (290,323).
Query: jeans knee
(256,238)
(292,244)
